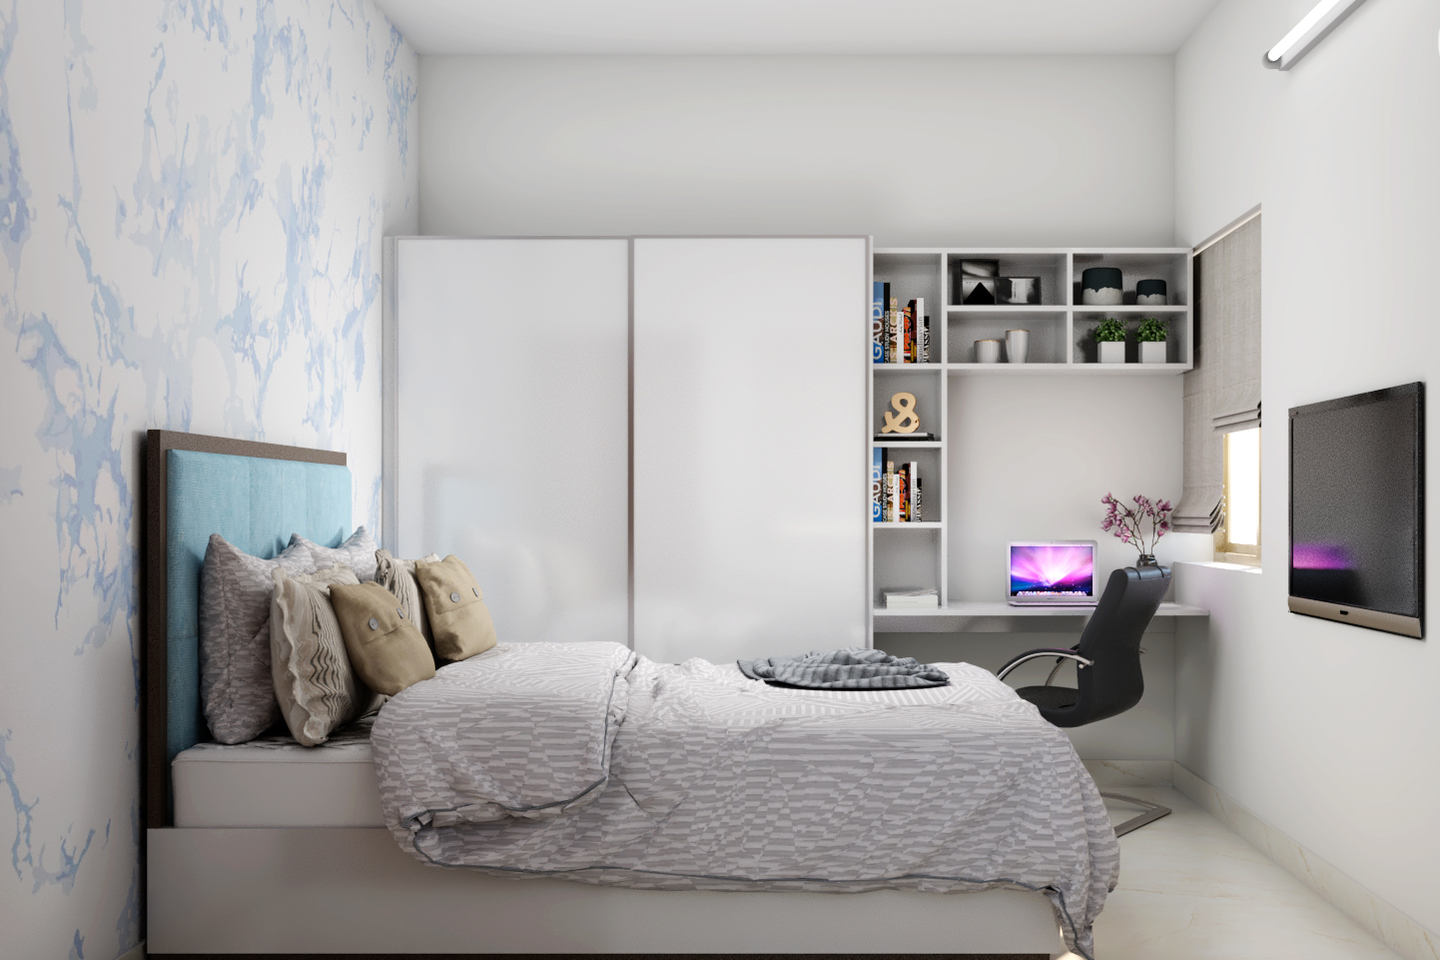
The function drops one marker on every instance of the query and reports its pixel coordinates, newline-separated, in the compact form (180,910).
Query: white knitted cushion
(317,689)
(357,553)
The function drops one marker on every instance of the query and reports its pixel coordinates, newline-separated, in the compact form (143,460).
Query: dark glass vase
(1147,560)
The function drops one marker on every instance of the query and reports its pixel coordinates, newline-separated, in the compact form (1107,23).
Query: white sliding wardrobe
(751,465)
(507,446)
(659,440)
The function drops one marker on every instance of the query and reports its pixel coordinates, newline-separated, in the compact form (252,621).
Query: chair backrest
(1115,682)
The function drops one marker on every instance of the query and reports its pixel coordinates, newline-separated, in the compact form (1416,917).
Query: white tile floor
(1192,890)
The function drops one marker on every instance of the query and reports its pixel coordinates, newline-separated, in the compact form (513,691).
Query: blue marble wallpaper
(192,199)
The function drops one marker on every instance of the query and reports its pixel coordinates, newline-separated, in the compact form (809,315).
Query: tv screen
(1357,518)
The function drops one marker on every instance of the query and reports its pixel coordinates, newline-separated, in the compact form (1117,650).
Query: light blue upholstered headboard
(254,503)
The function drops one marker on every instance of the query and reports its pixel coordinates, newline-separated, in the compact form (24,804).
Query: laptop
(1053,573)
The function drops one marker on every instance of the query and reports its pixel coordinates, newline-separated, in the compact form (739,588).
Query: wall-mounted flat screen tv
(1357,509)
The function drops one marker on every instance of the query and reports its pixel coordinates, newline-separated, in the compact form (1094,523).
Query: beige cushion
(384,644)
(317,689)
(459,619)
(398,576)
(357,553)
(237,693)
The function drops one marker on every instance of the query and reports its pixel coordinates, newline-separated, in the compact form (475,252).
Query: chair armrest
(1041,653)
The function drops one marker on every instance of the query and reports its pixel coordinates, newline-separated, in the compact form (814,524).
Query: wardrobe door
(509,439)
(751,475)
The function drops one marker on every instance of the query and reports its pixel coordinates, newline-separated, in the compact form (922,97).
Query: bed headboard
(253,494)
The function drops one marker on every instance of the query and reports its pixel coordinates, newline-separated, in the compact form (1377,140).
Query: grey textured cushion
(237,694)
(317,688)
(357,553)
(398,576)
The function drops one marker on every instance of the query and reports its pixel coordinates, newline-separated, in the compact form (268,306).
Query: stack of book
(900,335)
(895,494)
(916,599)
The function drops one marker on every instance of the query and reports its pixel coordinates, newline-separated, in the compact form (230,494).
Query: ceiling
(795,26)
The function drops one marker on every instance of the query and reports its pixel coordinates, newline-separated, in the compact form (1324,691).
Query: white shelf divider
(1059,317)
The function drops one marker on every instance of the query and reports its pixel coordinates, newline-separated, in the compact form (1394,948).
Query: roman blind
(1222,392)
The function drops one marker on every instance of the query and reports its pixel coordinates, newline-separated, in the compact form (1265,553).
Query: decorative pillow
(237,694)
(459,620)
(314,682)
(398,576)
(357,553)
(385,647)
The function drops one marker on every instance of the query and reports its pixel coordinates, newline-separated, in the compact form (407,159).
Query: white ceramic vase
(1017,345)
(1112,351)
(1152,351)
(987,351)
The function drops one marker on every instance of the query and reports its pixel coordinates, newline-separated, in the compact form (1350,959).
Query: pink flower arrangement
(1128,523)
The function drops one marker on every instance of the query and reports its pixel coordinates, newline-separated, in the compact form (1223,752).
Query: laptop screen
(1062,571)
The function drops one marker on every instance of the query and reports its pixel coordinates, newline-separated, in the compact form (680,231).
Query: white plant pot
(1152,351)
(1112,351)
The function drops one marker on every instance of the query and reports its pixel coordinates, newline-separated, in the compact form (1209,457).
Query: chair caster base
(1153,812)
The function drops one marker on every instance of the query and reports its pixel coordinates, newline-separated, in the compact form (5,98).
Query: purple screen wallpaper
(1320,556)
(1052,568)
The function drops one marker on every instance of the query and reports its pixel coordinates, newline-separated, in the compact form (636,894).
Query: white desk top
(997,616)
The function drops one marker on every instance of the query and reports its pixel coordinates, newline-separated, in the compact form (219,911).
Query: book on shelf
(912,492)
(907,349)
(911,599)
(919,351)
(917,435)
(877,485)
(897,334)
(880,296)
(924,349)
(892,492)
(902,500)
(893,331)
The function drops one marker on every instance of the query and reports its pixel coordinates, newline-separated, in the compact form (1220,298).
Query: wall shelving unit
(908,555)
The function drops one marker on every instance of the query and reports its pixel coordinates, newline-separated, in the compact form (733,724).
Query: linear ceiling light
(1308,32)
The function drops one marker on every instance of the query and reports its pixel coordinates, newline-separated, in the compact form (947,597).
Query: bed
(272,848)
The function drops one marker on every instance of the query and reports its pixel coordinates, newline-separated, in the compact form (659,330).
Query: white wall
(1326,731)
(1030,458)
(1024,151)
(192,199)
(1020,151)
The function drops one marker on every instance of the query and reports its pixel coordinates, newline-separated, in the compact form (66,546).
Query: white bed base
(352,890)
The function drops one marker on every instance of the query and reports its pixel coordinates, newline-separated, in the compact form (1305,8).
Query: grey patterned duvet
(588,762)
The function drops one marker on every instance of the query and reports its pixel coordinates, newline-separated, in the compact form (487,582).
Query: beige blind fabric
(1222,393)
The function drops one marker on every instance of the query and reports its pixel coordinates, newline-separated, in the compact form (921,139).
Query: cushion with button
(382,639)
(315,685)
(459,620)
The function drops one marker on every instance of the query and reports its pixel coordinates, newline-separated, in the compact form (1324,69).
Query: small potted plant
(1152,334)
(1110,338)
(1128,523)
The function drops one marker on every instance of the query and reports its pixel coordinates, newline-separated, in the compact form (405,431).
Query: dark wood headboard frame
(155,667)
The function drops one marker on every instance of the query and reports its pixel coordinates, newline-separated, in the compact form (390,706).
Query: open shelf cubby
(1060,343)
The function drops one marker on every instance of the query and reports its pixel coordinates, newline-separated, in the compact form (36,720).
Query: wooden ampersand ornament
(908,420)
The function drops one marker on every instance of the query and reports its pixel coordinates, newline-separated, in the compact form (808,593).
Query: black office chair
(1107,665)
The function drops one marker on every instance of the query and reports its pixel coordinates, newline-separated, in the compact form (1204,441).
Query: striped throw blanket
(851,669)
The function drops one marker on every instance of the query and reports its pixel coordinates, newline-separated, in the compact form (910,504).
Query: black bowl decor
(1150,293)
(1101,286)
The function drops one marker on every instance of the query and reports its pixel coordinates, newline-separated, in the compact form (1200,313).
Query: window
(1222,396)
(1238,540)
